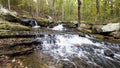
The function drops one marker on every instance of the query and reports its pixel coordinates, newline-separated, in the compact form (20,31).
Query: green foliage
(108,9)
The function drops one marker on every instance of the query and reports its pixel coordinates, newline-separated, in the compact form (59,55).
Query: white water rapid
(59,27)
(69,47)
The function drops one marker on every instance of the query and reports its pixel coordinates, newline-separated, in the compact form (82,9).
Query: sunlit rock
(8,15)
(111,27)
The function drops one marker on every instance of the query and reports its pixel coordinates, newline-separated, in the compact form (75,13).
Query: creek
(71,50)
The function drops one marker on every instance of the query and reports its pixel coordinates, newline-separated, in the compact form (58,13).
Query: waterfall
(69,47)
(35,25)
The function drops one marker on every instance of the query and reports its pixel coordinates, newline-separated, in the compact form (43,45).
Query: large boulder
(106,29)
(111,27)
(8,15)
(44,22)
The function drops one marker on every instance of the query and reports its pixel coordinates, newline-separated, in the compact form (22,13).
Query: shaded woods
(99,11)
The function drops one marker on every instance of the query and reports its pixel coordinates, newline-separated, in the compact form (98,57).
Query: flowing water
(78,50)
(35,25)
(59,27)
(71,50)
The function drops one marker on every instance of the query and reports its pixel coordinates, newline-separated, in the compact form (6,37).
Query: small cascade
(59,27)
(35,25)
(80,51)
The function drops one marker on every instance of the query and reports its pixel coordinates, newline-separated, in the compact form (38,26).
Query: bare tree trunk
(42,8)
(111,8)
(97,7)
(63,10)
(9,5)
(31,8)
(53,11)
(105,6)
(98,10)
(37,9)
(79,18)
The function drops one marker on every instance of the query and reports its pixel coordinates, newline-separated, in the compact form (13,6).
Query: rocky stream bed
(44,43)
(46,48)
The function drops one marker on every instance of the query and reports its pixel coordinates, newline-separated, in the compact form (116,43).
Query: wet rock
(116,34)
(18,46)
(109,53)
(28,22)
(99,37)
(112,39)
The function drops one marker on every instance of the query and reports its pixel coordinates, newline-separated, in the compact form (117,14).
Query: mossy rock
(4,34)
(84,30)
(19,27)
(9,17)
(13,26)
(86,26)
(43,22)
(69,24)
(99,37)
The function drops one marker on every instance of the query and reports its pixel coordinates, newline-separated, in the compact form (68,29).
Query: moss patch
(5,25)
(43,22)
